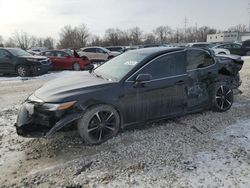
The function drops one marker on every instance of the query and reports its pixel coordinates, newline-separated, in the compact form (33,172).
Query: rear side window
(61,54)
(166,66)
(92,50)
(198,59)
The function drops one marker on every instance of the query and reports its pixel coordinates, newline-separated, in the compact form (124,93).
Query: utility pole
(185,27)
(248,9)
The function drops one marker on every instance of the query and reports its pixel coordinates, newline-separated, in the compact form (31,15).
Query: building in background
(229,37)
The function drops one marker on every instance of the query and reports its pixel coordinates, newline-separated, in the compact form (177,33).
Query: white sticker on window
(132,63)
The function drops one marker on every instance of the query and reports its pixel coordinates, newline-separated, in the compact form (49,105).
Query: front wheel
(76,67)
(99,124)
(22,71)
(221,97)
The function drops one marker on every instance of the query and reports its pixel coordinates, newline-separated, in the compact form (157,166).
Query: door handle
(180,82)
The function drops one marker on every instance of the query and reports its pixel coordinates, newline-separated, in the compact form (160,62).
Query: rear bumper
(33,122)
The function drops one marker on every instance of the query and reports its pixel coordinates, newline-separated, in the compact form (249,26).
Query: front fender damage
(29,125)
(62,123)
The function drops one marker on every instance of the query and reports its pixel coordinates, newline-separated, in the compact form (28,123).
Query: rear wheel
(110,57)
(76,67)
(23,71)
(99,124)
(221,97)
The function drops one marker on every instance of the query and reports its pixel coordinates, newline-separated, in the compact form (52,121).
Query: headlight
(62,106)
(32,60)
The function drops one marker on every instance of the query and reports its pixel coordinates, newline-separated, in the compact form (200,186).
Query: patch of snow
(48,76)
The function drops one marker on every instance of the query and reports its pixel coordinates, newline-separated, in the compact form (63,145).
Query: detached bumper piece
(33,121)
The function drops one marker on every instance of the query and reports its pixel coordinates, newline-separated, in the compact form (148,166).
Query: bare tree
(112,37)
(10,43)
(238,28)
(73,37)
(135,35)
(48,42)
(82,35)
(1,41)
(149,39)
(23,40)
(95,41)
(162,33)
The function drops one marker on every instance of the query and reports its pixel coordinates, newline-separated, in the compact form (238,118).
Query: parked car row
(13,60)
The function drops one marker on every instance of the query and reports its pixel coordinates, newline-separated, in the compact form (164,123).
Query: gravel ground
(201,150)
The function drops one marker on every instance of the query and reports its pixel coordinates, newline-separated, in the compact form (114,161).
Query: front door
(6,62)
(164,95)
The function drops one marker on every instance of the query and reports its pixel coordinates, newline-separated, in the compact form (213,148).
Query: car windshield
(116,68)
(19,52)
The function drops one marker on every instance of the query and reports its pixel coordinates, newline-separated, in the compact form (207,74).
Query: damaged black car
(135,87)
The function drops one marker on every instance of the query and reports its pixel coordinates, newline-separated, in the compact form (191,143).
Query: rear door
(163,95)
(101,55)
(90,53)
(6,62)
(200,67)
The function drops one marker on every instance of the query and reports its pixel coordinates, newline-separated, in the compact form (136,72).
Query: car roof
(156,50)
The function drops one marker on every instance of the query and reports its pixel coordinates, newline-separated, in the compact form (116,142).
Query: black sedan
(135,87)
(15,60)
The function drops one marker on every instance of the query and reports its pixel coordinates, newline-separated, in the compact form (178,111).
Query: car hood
(69,88)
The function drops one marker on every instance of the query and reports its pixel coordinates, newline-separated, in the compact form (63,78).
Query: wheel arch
(119,111)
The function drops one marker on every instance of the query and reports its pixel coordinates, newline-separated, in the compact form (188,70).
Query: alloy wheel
(76,67)
(21,71)
(224,97)
(102,125)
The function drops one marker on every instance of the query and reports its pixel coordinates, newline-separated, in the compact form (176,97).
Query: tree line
(80,36)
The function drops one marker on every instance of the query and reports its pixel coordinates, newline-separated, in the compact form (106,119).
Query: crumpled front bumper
(32,121)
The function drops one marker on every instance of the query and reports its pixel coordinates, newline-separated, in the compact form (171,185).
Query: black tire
(23,71)
(76,67)
(98,124)
(110,57)
(222,53)
(221,97)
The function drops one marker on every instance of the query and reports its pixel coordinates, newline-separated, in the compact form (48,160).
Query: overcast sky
(46,17)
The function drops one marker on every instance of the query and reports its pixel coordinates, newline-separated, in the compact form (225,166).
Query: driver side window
(165,66)
(3,54)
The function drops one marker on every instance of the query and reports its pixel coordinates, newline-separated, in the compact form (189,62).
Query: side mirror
(143,78)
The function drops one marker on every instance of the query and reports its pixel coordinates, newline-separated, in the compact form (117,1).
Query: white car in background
(211,46)
(97,54)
